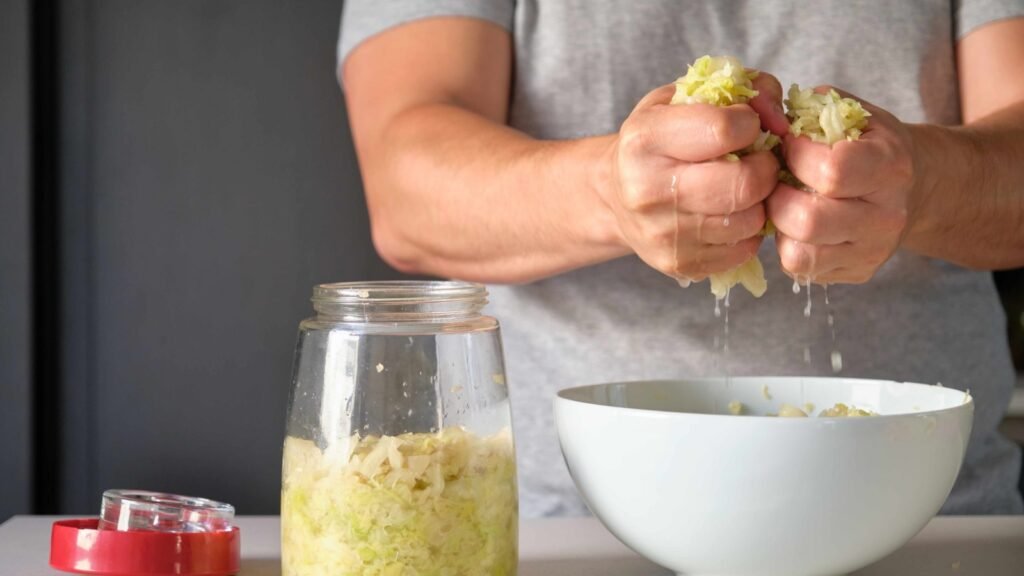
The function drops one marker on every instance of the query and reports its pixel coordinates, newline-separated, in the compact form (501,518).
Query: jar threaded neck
(399,301)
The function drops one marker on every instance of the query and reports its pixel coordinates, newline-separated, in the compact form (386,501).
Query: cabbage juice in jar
(398,456)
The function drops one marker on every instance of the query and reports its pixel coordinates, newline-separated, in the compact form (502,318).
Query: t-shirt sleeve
(973,14)
(361,19)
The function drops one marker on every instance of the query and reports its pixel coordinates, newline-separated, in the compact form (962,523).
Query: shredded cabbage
(826,118)
(440,504)
(723,81)
(841,410)
(790,411)
(750,275)
(718,80)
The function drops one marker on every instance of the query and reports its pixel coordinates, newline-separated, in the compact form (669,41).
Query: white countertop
(954,546)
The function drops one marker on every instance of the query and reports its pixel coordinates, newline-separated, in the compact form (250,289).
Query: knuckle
(636,198)
(903,167)
(634,139)
(720,130)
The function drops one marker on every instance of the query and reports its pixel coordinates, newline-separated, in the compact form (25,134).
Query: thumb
(768,104)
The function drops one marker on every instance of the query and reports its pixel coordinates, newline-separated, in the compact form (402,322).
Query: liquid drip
(837,361)
(807,309)
(718,308)
(675,235)
(836,357)
(725,221)
(796,286)
(725,338)
(807,354)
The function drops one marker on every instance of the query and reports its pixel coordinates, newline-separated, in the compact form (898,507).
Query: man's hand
(683,208)
(858,209)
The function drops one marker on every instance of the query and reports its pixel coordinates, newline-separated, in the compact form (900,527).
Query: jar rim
(396,291)
(401,301)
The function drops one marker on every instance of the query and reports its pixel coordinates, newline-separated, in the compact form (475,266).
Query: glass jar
(398,455)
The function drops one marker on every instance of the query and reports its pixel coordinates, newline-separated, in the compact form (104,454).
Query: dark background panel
(214,184)
(15,261)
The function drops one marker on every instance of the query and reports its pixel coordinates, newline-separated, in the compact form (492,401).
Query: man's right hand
(683,208)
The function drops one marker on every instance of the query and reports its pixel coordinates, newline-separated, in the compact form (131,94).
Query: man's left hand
(857,210)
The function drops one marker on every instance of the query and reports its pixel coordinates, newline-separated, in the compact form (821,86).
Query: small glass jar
(398,455)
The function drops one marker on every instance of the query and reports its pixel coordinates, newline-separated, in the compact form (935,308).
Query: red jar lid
(80,546)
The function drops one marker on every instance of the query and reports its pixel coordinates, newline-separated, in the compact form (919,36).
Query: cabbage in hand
(723,81)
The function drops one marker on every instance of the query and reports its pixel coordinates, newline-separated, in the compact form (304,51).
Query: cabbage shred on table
(429,504)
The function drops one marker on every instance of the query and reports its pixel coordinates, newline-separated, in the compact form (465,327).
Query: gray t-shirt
(581,66)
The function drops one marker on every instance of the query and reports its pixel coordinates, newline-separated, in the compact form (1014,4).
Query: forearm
(968,205)
(453,194)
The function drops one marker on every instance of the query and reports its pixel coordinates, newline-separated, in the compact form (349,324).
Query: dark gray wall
(14,260)
(209,184)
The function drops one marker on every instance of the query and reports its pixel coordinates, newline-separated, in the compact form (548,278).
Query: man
(527,145)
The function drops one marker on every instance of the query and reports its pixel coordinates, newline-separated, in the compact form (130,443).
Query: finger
(810,217)
(693,132)
(725,187)
(716,258)
(846,276)
(844,170)
(817,261)
(768,104)
(660,95)
(727,230)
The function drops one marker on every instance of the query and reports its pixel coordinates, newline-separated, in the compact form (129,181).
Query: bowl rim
(651,412)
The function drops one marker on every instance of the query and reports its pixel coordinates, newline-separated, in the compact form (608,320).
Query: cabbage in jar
(416,504)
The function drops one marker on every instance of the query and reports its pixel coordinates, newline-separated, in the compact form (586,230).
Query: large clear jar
(398,455)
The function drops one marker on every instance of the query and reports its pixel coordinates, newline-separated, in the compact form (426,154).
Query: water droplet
(725,221)
(837,361)
(826,295)
(807,355)
(684,282)
(796,286)
(728,291)
(831,320)
(409,413)
(718,309)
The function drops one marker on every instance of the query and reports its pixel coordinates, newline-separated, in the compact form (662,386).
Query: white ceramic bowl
(675,477)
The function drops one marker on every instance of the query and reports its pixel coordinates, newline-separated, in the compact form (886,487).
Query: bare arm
(969,203)
(451,190)
(454,192)
(954,193)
